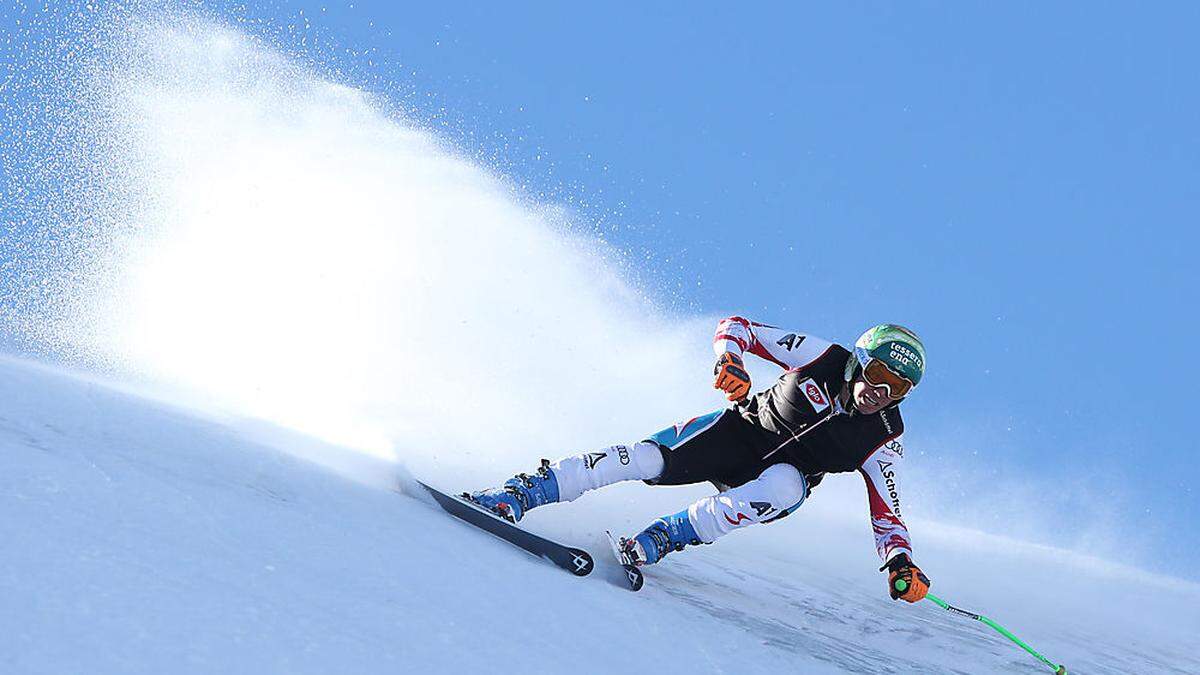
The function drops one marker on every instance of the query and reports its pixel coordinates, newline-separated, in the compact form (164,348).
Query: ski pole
(902,585)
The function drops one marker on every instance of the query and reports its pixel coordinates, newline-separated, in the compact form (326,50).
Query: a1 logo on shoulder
(814,395)
(790,341)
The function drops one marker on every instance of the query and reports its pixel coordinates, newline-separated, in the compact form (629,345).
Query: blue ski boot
(520,493)
(669,533)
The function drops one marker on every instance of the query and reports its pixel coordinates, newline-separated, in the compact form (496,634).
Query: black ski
(633,576)
(574,560)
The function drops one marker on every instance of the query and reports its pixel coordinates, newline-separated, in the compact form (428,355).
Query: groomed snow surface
(141,538)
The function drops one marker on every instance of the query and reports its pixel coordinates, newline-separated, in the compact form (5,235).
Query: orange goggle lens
(877,374)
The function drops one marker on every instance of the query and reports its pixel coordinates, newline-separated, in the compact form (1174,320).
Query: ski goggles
(877,374)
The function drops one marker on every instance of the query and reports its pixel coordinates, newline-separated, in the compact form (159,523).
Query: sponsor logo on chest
(815,396)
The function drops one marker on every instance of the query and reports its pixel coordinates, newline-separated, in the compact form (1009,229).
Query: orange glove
(906,581)
(732,377)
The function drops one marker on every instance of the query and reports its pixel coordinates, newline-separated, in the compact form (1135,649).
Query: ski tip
(582,564)
(633,575)
(1062,670)
(635,578)
(416,489)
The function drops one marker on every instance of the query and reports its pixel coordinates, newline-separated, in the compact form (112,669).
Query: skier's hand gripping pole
(901,586)
(731,377)
(906,581)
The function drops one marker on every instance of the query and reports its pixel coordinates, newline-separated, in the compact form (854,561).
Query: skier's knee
(785,485)
(648,457)
(773,494)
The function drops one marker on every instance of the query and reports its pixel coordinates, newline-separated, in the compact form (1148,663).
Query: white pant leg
(778,489)
(579,473)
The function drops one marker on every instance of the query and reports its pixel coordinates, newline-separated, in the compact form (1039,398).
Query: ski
(633,576)
(574,560)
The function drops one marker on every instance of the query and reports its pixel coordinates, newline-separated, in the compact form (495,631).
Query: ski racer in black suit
(833,410)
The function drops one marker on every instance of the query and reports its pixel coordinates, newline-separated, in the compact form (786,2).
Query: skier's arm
(881,471)
(733,336)
(787,349)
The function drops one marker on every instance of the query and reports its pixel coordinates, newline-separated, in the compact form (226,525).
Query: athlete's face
(868,399)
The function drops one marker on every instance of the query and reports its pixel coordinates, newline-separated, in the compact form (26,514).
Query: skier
(834,410)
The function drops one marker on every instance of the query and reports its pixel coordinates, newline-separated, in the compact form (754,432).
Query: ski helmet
(896,346)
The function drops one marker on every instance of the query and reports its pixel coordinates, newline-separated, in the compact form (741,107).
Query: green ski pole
(902,585)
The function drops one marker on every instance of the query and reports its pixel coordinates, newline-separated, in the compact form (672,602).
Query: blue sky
(1015,182)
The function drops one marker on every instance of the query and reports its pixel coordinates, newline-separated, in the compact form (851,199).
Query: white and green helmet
(896,346)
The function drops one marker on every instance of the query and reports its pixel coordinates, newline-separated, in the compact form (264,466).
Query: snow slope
(141,538)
